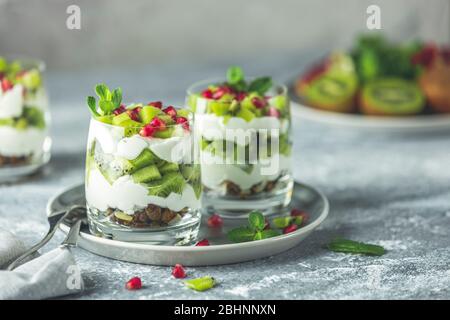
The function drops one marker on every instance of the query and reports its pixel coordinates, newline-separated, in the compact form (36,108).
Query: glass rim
(33,62)
(212,81)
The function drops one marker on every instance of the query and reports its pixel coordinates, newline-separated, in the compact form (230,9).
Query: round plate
(221,250)
(433,122)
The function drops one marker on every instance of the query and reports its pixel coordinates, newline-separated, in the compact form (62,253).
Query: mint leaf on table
(350,246)
(256,221)
(234,75)
(92,105)
(260,85)
(241,234)
(201,284)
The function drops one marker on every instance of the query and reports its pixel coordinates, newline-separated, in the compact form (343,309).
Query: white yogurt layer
(213,127)
(213,174)
(16,143)
(11,102)
(130,197)
(112,141)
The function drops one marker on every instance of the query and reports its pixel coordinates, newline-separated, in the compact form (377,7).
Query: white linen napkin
(51,275)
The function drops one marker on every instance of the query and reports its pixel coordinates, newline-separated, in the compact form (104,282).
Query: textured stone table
(393,190)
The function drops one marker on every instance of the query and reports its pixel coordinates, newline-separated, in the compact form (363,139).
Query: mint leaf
(350,246)
(256,221)
(269,233)
(241,234)
(234,75)
(103,91)
(116,97)
(260,85)
(92,105)
(201,284)
(106,106)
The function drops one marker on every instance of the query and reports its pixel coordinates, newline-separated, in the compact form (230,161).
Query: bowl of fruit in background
(378,84)
(244,127)
(24,118)
(142,176)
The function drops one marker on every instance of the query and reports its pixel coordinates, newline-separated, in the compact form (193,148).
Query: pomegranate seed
(290,228)
(425,56)
(215,221)
(202,243)
(134,284)
(207,94)
(171,111)
(134,114)
(300,213)
(273,112)
(183,121)
(147,131)
(241,96)
(6,85)
(158,123)
(156,104)
(178,271)
(258,103)
(220,92)
(119,110)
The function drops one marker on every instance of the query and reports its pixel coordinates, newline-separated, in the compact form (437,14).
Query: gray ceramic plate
(221,251)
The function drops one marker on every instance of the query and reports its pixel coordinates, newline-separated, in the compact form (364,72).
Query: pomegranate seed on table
(290,228)
(273,112)
(6,84)
(178,271)
(147,131)
(207,94)
(300,213)
(156,104)
(215,221)
(258,102)
(134,284)
(170,111)
(202,243)
(158,123)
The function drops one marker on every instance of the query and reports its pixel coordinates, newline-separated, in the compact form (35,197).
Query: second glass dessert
(142,179)
(244,130)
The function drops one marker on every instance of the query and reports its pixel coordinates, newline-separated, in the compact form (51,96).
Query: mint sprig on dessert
(354,247)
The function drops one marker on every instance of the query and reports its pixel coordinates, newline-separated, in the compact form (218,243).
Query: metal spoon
(54,221)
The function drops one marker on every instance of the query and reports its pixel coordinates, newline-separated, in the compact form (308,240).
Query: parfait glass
(143,189)
(245,150)
(24,118)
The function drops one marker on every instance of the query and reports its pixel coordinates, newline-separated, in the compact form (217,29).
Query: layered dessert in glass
(142,179)
(24,141)
(244,128)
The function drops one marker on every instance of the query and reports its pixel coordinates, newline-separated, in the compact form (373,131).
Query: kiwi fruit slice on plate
(332,92)
(391,97)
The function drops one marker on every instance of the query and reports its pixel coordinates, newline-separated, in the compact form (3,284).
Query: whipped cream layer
(11,102)
(213,127)
(112,141)
(269,169)
(126,195)
(16,143)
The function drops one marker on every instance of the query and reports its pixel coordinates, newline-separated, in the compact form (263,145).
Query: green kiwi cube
(164,134)
(145,158)
(117,120)
(168,167)
(147,113)
(172,182)
(146,174)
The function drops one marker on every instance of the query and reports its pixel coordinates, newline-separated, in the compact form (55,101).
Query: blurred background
(126,33)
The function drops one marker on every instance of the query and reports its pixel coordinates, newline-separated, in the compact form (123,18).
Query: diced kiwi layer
(169,182)
(145,158)
(31,117)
